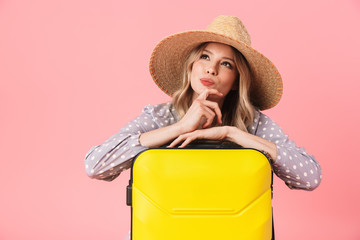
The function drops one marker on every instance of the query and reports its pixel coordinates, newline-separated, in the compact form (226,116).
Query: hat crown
(231,27)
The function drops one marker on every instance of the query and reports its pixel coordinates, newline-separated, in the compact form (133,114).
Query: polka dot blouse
(293,165)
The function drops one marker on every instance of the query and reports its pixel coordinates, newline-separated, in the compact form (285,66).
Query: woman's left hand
(214,133)
(230,133)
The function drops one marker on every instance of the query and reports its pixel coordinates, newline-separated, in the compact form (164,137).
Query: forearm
(297,168)
(248,140)
(108,160)
(160,136)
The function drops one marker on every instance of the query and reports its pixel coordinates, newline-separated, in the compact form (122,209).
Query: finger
(215,107)
(179,139)
(207,92)
(209,115)
(186,142)
(175,142)
(211,104)
(207,123)
(208,110)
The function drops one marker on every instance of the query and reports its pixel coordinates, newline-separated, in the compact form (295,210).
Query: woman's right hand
(201,112)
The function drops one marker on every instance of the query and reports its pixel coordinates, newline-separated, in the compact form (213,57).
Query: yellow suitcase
(204,193)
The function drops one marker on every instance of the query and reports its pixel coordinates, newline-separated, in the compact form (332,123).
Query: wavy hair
(237,109)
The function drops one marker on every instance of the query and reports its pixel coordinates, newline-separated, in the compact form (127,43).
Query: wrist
(178,128)
(231,132)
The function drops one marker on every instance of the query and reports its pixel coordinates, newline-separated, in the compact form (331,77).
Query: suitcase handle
(129,194)
(216,144)
(204,144)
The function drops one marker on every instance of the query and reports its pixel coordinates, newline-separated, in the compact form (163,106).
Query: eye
(204,56)
(227,64)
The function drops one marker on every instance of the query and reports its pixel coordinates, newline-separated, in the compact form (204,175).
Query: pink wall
(72,73)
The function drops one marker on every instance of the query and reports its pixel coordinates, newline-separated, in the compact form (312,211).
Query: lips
(206,81)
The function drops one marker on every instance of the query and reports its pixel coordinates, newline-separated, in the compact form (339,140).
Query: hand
(201,112)
(214,133)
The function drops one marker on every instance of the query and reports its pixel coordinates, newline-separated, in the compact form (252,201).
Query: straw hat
(169,55)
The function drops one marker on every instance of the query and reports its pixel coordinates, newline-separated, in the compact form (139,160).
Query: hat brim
(167,58)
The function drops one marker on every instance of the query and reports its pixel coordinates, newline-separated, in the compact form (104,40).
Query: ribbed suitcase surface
(201,194)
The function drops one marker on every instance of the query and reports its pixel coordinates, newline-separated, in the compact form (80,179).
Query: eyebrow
(223,57)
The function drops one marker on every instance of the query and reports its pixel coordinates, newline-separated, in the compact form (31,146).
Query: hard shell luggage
(207,193)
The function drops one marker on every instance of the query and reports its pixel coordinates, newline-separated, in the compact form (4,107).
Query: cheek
(231,79)
(196,68)
(195,71)
(192,77)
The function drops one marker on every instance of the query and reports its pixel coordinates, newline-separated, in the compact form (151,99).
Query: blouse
(297,168)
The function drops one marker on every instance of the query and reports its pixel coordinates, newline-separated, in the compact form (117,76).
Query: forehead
(219,48)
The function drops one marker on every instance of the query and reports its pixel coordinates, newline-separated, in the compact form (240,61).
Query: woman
(219,84)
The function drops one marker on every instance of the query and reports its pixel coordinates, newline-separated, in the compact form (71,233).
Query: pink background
(72,73)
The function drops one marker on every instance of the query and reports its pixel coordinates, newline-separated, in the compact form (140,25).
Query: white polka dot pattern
(293,165)
(108,160)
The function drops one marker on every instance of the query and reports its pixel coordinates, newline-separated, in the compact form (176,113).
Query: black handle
(129,194)
(211,144)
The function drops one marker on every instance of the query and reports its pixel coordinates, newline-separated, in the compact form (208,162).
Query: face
(214,69)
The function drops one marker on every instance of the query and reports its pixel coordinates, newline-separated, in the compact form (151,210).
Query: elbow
(89,158)
(308,184)
(90,170)
(314,176)
(316,181)
(91,166)
(99,171)
(313,186)
(100,175)
(305,186)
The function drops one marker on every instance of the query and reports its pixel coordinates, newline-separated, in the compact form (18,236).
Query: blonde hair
(237,109)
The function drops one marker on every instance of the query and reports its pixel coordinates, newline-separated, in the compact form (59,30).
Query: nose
(211,69)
